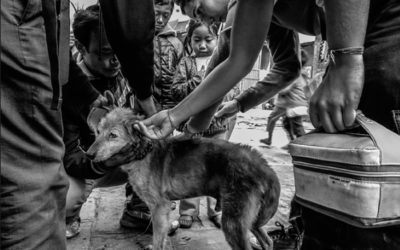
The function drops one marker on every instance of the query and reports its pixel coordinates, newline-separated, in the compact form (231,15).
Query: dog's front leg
(160,217)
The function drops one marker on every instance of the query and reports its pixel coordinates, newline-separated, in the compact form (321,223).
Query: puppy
(164,170)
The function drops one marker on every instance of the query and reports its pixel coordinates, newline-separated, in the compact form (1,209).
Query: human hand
(333,105)
(159,126)
(227,109)
(148,106)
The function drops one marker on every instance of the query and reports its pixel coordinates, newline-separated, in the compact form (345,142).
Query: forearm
(202,120)
(130,29)
(346,22)
(284,49)
(252,19)
(264,90)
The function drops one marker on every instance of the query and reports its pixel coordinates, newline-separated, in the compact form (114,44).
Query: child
(199,43)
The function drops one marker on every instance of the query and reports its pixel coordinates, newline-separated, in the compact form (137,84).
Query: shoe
(216,219)
(266,141)
(173,227)
(185,221)
(73,228)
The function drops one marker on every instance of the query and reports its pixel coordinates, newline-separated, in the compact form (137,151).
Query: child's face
(162,15)
(202,41)
(208,11)
(101,61)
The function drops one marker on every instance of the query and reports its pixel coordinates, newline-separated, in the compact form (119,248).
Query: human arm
(129,26)
(334,103)
(283,47)
(202,120)
(252,20)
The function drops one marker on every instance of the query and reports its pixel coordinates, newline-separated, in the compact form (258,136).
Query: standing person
(168,50)
(363,37)
(34,65)
(199,43)
(97,61)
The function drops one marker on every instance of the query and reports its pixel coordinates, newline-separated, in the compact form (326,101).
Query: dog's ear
(110,98)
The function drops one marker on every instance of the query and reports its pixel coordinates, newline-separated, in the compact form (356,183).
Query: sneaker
(266,141)
(73,228)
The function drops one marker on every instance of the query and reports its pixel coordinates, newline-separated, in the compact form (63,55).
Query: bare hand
(333,105)
(227,109)
(158,126)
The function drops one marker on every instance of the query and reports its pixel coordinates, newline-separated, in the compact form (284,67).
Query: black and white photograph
(200,125)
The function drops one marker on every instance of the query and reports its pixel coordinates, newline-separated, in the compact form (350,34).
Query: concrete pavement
(100,229)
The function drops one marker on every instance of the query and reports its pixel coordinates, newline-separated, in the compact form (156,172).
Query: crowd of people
(127,49)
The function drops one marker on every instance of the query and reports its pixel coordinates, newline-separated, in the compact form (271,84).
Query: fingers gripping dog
(172,169)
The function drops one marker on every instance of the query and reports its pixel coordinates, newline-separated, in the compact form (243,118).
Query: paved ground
(100,228)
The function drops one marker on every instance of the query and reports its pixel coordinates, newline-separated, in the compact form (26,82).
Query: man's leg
(33,180)
(78,192)
(272,119)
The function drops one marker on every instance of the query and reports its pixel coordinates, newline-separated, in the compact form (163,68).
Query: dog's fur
(247,188)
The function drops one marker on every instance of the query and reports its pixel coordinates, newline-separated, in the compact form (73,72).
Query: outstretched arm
(202,120)
(334,103)
(252,20)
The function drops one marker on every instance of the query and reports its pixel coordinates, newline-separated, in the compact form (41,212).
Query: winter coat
(168,50)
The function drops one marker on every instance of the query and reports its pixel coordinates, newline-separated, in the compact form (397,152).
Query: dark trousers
(294,126)
(33,180)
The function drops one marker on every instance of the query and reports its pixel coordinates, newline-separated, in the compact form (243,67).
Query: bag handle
(386,140)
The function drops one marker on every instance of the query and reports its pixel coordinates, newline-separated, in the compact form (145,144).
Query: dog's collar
(143,151)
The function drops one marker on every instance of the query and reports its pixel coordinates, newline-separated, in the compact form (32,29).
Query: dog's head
(115,135)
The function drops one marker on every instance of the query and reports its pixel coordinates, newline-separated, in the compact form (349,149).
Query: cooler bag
(352,176)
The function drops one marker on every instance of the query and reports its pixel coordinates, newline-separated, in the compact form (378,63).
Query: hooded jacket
(168,50)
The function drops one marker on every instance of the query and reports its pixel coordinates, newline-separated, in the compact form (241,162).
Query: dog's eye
(113,135)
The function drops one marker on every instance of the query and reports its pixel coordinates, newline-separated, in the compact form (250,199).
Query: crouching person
(98,65)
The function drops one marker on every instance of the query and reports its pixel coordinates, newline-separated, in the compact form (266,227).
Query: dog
(173,169)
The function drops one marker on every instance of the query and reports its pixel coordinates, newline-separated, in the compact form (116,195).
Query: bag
(352,176)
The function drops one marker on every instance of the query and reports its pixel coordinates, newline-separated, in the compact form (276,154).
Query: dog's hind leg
(160,218)
(263,238)
(238,214)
